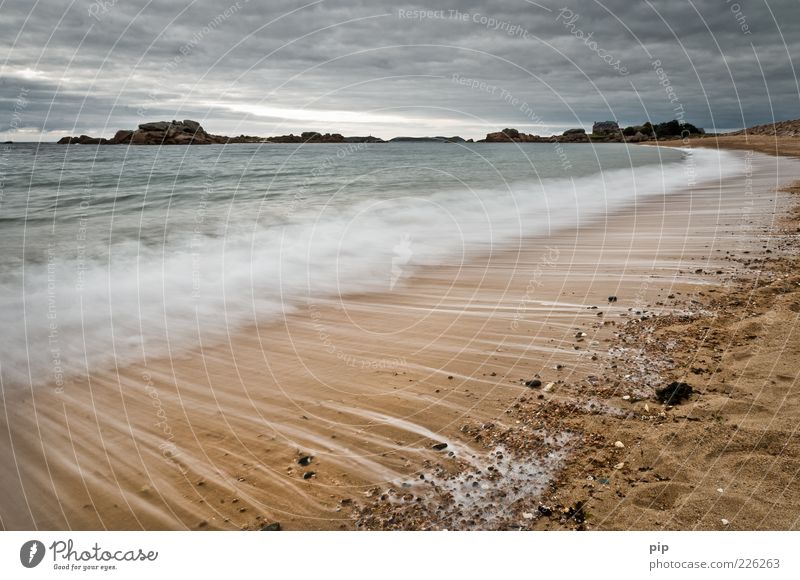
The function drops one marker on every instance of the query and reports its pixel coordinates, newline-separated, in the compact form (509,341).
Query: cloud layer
(269,67)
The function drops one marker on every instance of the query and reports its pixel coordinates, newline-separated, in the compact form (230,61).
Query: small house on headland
(605,127)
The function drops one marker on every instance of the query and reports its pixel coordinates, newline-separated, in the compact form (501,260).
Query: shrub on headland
(668,129)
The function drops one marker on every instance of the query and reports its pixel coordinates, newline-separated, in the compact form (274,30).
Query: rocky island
(190,132)
(602,132)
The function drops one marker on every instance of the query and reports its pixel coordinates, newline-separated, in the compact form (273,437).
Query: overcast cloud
(390,68)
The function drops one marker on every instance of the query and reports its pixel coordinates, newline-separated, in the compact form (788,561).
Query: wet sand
(367,385)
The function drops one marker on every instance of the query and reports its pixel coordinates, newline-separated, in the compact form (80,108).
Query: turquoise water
(117,252)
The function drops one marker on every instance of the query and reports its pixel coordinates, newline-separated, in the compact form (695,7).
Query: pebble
(674,393)
(533,383)
(612,298)
(725,522)
(619,466)
(309,474)
(527,515)
(273,527)
(305,460)
(720,490)
(626,398)
(619,445)
(439,446)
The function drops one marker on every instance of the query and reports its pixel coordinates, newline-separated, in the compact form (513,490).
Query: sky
(389,68)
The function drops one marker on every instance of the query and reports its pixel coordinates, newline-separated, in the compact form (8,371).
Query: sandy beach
(506,390)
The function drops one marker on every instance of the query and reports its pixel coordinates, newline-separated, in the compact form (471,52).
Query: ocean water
(114,254)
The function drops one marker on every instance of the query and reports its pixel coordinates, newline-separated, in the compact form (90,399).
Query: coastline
(401,372)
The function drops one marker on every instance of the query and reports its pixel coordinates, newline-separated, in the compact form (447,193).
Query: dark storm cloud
(262,67)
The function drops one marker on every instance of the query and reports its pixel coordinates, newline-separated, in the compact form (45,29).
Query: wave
(138,299)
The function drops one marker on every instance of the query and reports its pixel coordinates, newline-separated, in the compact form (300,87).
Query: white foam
(148,300)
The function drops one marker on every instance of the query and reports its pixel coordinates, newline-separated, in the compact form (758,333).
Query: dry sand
(367,384)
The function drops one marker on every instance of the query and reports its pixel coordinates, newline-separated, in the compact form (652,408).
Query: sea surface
(113,254)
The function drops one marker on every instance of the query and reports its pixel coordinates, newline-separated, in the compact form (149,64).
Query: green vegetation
(672,128)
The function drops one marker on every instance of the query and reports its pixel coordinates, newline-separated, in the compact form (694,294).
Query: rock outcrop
(514,136)
(438,139)
(572,136)
(186,132)
(314,137)
(190,132)
(83,140)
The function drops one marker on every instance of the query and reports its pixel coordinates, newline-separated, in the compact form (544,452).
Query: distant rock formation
(572,136)
(314,137)
(186,132)
(514,136)
(602,133)
(605,127)
(438,139)
(190,132)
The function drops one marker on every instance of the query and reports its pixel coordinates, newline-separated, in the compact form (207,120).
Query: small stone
(626,398)
(439,446)
(619,445)
(612,298)
(545,511)
(725,522)
(720,490)
(309,474)
(674,393)
(619,466)
(548,387)
(527,515)
(305,460)
(533,383)
(273,527)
